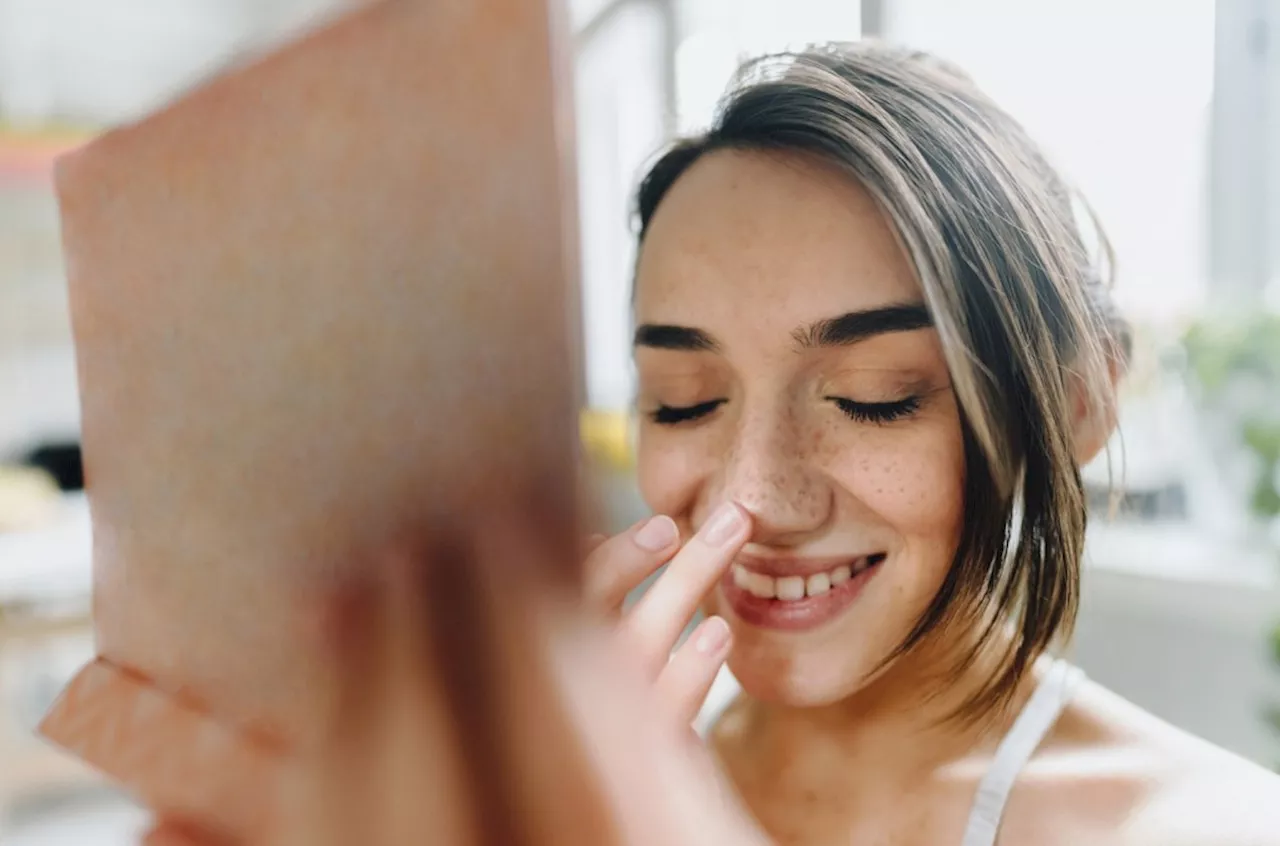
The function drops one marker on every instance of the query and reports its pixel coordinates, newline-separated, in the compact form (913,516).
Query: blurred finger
(620,564)
(654,625)
(334,803)
(350,638)
(406,632)
(688,676)
(387,739)
(168,833)
(486,648)
(592,543)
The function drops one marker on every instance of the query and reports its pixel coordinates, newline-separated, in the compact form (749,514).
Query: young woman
(871,315)
(875,344)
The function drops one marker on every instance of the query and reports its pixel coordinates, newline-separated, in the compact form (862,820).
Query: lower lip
(799,614)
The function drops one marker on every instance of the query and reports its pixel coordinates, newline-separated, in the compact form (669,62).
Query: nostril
(782,512)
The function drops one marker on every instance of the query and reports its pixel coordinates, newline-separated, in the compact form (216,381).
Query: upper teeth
(794,587)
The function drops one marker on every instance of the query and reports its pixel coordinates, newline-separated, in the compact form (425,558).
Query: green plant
(1235,364)
(1273,713)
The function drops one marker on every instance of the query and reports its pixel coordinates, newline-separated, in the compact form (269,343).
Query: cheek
(668,471)
(913,480)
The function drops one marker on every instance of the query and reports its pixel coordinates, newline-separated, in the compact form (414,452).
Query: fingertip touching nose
(786,497)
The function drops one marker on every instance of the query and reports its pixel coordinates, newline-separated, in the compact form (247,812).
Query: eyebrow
(839,331)
(857,326)
(661,337)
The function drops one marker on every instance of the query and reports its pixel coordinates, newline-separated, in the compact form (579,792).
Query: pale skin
(752,251)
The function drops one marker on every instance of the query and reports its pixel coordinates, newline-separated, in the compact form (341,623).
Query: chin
(802,667)
(794,678)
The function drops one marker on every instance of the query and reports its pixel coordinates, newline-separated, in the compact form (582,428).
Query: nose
(769,470)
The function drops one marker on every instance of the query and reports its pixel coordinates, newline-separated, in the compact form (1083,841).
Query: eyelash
(878,413)
(669,415)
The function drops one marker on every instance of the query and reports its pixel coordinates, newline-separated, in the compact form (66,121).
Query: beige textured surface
(314,302)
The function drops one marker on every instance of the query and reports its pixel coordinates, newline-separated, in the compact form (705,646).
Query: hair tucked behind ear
(1023,308)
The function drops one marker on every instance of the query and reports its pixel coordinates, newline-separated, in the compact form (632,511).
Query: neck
(891,723)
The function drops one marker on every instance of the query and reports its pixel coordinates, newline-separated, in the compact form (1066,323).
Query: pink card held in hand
(318,300)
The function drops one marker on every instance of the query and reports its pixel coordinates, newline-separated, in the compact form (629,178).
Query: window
(622,110)
(1120,95)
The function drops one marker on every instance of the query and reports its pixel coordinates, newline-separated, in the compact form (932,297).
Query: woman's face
(786,362)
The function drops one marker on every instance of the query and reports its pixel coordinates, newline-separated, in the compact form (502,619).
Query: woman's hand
(478,707)
(616,566)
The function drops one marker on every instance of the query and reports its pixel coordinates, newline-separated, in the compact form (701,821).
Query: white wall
(1119,93)
(718,34)
(1177,621)
(621,119)
(89,61)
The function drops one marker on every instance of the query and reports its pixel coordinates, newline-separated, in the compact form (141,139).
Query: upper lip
(796,566)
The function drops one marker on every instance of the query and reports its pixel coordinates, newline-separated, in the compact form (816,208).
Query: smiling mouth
(796,588)
(794,602)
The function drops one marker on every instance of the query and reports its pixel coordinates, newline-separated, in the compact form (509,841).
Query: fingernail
(713,637)
(724,525)
(658,534)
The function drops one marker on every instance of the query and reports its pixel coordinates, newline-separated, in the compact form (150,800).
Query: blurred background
(1165,112)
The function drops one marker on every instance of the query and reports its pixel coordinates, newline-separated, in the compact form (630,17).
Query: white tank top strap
(1037,718)
(723,691)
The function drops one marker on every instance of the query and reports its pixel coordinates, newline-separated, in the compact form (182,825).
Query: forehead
(741,229)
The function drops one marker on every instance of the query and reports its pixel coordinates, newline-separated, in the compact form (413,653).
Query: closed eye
(877,412)
(670,415)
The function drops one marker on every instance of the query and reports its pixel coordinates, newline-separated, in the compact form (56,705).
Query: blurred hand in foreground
(477,705)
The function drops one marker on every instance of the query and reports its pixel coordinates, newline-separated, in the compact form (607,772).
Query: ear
(1094,412)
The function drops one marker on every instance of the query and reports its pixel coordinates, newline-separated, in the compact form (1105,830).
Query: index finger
(620,564)
(657,620)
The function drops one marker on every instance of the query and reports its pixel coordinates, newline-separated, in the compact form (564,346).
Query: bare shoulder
(1224,802)
(1166,787)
